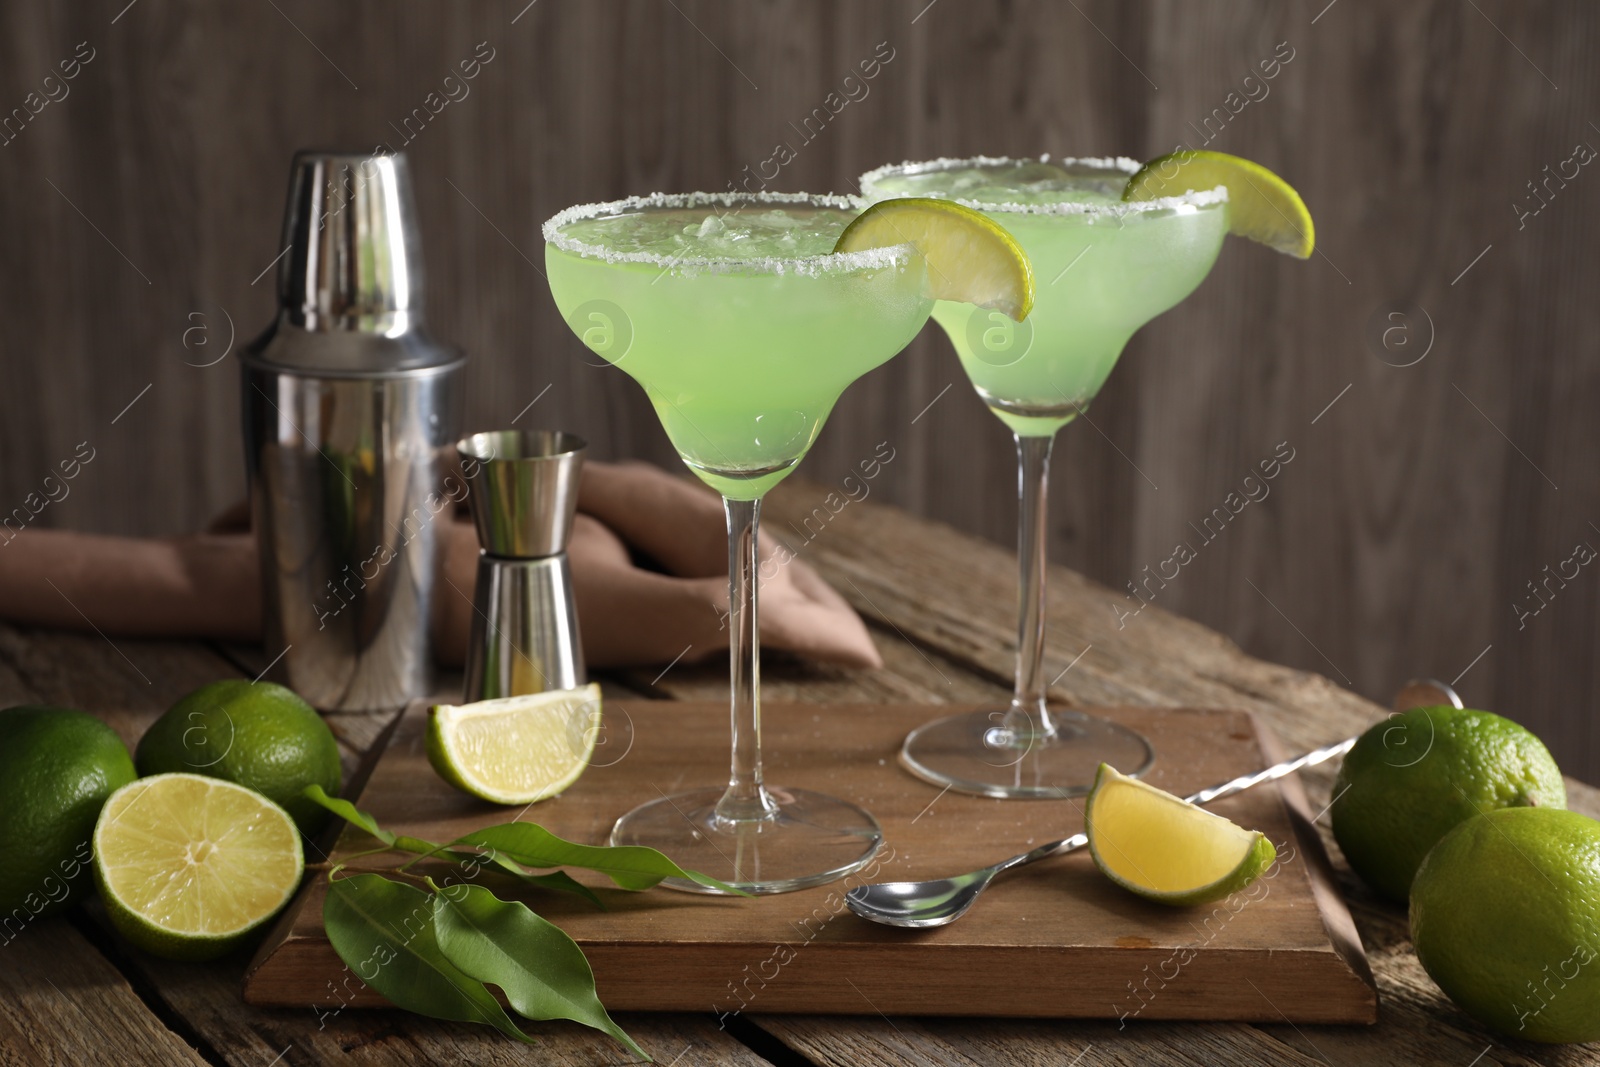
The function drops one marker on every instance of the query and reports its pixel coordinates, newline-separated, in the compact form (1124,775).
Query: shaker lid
(350,280)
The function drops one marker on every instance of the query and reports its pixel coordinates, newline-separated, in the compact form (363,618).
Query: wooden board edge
(283,926)
(628,977)
(280,933)
(1337,921)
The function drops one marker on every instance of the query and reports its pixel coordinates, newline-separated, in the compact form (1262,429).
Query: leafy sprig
(434,948)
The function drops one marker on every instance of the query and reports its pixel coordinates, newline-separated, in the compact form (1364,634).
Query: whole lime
(1505,916)
(57,767)
(256,734)
(1414,777)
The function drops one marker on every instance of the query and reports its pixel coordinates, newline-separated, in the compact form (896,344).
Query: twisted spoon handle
(1272,773)
(1204,796)
(1054,848)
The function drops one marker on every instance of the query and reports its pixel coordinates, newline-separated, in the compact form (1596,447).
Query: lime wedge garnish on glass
(971,258)
(1164,848)
(515,750)
(188,865)
(1261,205)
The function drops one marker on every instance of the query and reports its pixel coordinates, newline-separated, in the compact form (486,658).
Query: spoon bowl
(916,904)
(941,900)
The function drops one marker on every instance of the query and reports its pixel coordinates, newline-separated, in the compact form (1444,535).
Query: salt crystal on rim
(833,262)
(1192,198)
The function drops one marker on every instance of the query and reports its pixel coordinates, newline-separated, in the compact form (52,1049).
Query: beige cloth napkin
(207,585)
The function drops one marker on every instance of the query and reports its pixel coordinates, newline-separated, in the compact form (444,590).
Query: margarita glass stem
(746,798)
(1028,718)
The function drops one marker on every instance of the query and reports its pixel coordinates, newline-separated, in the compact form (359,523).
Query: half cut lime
(188,865)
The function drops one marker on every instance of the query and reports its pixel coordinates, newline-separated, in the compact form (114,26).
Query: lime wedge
(188,865)
(515,750)
(1261,205)
(971,258)
(1164,848)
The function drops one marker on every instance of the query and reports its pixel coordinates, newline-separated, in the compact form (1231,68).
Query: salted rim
(1193,198)
(830,262)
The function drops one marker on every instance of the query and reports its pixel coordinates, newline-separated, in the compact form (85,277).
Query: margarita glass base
(978,753)
(806,839)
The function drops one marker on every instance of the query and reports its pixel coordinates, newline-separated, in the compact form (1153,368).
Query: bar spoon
(944,900)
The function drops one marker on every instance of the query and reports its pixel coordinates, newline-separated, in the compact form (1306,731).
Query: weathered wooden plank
(913,673)
(957,593)
(128,682)
(207,997)
(843,1042)
(61,1002)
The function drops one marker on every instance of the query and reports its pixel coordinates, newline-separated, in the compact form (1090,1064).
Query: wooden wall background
(138,210)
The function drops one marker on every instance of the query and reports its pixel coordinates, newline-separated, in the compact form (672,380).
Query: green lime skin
(1414,777)
(57,767)
(1505,916)
(256,734)
(436,755)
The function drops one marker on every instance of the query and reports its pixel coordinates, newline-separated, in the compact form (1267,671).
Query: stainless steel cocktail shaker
(350,409)
(523,493)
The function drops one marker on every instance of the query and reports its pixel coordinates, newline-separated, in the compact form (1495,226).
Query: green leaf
(356,817)
(385,932)
(349,813)
(540,969)
(417,845)
(559,880)
(630,866)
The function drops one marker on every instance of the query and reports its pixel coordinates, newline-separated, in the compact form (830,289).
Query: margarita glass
(1104,269)
(743,327)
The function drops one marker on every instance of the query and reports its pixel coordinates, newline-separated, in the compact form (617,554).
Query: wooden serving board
(1053,940)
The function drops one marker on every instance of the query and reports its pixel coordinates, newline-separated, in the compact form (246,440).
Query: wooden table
(942,607)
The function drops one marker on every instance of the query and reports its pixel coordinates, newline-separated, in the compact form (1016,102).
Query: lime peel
(57,768)
(1505,917)
(258,734)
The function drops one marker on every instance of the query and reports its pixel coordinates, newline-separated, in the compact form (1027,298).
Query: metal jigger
(523,491)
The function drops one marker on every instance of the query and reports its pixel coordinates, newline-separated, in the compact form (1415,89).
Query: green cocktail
(743,328)
(1104,268)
